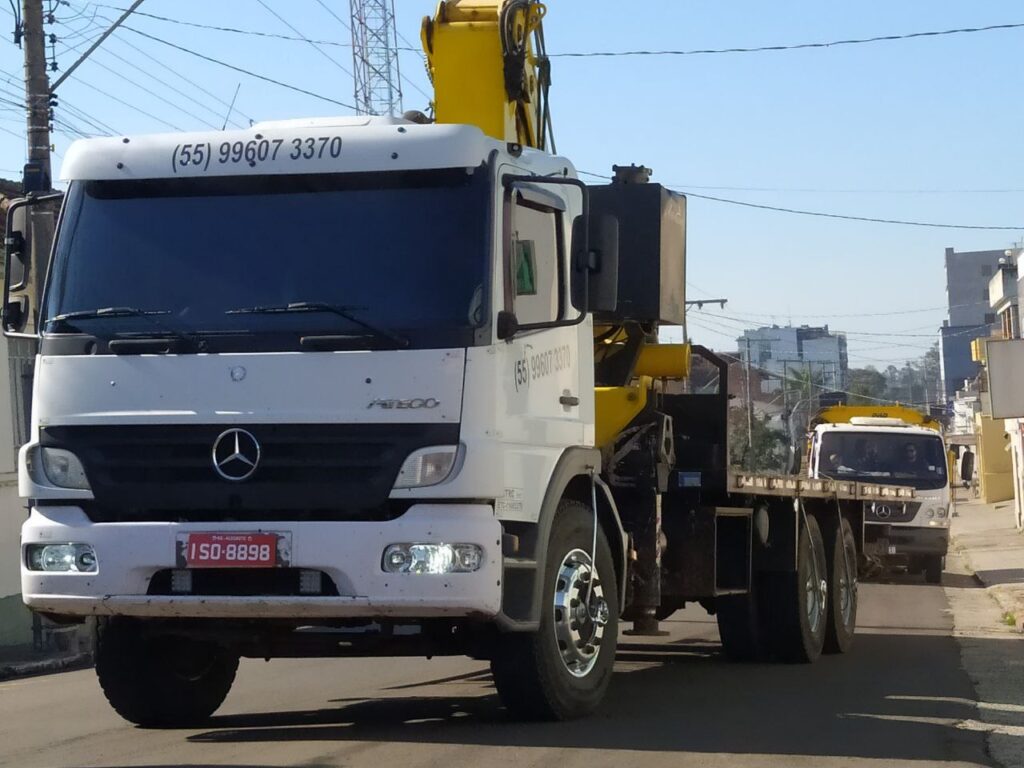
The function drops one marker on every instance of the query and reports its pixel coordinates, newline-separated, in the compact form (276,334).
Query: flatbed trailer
(773,556)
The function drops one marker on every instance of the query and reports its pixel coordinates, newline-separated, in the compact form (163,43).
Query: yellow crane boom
(488,65)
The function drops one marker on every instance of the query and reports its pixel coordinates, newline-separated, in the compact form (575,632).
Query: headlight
(432,558)
(940,511)
(930,512)
(427,466)
(63,469)
(75,558)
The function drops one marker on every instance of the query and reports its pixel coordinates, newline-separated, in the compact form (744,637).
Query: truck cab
(889,447)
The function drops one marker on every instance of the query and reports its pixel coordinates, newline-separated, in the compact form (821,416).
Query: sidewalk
(68,648)
(985,536)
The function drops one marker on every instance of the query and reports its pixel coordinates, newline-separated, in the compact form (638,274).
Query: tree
(767,449)
(867,385)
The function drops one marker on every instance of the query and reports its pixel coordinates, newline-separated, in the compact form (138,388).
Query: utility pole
(37,173)
(750,414)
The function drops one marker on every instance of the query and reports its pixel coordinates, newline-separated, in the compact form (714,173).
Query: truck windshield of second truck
(407,252)
(917,460)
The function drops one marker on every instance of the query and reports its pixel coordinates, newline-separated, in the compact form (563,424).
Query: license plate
(229,550)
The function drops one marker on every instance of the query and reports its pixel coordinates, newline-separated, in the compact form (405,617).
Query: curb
(1009,597)
(45,666)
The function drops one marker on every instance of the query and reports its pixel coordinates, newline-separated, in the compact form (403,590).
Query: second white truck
(891,444)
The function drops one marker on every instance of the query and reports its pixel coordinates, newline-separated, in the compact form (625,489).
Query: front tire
(842,590)
(161,681)
(562,671)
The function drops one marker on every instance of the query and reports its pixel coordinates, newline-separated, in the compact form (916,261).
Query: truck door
(548,390)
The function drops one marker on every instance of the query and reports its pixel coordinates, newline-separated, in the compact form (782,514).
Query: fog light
(181,581)
(432,558)
(61,558)
(310,582)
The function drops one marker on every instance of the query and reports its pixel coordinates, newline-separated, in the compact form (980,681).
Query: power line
(859,191)
(319,50)
(182,77)
(826,215)
(747,319)
(341,21)
(740,324)
(234,68)
(823,214)
(131,106)
(848,217)
(164,83)
(151,92)
(796,47)
(236,30)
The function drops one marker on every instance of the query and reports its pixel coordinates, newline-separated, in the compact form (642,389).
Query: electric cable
(793,47)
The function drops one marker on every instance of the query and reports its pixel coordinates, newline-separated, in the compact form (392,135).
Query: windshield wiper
(296,307)
(147,314)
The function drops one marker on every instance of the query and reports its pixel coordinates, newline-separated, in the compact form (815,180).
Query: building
(792,353)
(970,313)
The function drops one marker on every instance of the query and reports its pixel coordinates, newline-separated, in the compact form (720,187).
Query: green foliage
(917,382)
(769,447)
(866,385)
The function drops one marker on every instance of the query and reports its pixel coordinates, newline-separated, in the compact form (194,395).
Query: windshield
(403,255)
(910,459)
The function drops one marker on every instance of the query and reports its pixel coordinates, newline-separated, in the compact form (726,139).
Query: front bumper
(886,542)
(349,553)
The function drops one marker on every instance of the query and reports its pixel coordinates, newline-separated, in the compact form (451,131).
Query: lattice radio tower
(375,57)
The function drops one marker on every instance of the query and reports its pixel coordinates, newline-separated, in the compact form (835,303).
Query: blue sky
(928,129)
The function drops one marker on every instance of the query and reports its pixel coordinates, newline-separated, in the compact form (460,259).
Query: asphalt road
(895,700)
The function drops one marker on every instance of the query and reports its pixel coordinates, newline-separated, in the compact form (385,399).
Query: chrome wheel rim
(817,591)
(579,625)
(847,587)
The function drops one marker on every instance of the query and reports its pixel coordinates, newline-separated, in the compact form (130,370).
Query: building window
(989,318)
(986,270)
(984,294)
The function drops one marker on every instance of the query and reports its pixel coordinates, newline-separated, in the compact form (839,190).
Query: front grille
(306,471)
(890,513)
(242,582)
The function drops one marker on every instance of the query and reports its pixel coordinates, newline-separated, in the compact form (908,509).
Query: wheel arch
(570,479)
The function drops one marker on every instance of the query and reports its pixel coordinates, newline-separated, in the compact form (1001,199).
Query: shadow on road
(896,696)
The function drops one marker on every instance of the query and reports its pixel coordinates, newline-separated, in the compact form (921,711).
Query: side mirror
(17,268)
(507,325)
(17,250)
(595,259)
(23,253)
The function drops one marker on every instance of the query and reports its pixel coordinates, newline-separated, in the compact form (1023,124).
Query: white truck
(890,444)
(374,386)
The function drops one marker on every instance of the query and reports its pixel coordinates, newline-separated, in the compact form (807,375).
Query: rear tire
(933,566)
(546,675)
(799,600)
(161,681)
(842,590)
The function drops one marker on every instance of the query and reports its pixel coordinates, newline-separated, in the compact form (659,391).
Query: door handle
(569,400)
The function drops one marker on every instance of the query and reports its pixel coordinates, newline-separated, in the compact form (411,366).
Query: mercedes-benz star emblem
(883,512)
(236,454)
